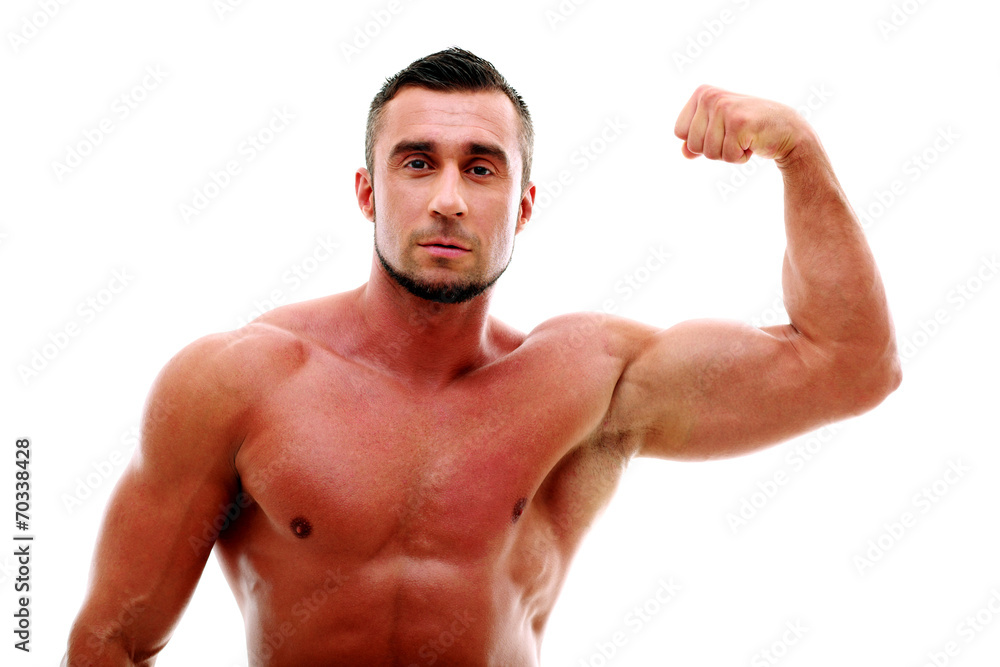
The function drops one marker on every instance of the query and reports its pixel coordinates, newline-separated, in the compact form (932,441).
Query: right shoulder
(218,377)
(239,361)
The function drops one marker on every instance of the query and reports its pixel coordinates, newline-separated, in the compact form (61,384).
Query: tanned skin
(389,480)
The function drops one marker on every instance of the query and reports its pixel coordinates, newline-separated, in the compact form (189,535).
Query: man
(390,476)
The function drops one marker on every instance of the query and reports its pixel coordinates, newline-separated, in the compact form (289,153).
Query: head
(451,71)
(448,157)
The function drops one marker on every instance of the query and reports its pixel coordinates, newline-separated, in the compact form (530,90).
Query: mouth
(444,248)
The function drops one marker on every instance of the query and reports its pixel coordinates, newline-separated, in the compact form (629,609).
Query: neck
(421,341)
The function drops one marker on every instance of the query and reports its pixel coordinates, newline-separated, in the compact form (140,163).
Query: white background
(880,98)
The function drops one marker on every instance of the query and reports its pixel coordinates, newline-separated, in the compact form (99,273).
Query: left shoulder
(597,333)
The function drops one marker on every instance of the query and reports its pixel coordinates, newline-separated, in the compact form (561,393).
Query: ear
(527,206)
(365,192)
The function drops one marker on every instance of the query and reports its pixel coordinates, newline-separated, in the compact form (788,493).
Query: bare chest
(352,466)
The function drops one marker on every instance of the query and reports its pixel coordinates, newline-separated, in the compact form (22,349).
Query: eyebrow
(472,148)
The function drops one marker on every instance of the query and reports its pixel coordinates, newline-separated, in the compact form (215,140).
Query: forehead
(429,115)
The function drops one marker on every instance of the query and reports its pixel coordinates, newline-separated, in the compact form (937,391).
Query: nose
(447,200)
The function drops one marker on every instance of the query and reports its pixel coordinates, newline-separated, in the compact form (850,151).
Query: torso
(390,526)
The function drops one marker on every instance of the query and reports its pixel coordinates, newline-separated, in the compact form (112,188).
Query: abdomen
(394,610)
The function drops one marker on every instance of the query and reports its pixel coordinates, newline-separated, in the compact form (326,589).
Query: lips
(447,251)
(445,243)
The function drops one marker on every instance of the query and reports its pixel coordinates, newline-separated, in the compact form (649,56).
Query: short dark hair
(451,70)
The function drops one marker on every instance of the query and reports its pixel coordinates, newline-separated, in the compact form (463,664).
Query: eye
(480,170)
(416,164)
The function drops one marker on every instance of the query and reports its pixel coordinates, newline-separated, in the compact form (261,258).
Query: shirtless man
(390,476)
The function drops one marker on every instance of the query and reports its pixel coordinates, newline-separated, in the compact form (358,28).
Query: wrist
(807,151)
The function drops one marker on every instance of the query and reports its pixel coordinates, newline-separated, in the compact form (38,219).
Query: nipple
(300,527)
(518,509)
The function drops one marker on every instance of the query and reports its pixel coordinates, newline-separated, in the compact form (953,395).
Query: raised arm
(160,524)
(710,389)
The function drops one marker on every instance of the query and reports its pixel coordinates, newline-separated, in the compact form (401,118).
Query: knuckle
(738,120)
(714,94)
(724,105)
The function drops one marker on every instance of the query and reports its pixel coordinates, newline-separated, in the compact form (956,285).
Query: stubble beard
(438,292)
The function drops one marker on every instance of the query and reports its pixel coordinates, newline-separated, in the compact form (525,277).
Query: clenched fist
(725,126)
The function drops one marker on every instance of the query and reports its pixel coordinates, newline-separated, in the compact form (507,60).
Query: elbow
(886,381)
(91,651)
(869,380)
(91,648)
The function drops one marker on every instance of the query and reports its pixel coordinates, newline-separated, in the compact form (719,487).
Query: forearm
(833,292)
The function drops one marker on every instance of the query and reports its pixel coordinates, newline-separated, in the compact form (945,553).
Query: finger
(741,132)
(715,134)
(686,114)
(733,149)
(687,153)
(696,132)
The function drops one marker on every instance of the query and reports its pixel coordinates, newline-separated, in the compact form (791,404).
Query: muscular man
(414,467)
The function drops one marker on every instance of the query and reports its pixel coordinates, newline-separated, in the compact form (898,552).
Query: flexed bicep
(707,389)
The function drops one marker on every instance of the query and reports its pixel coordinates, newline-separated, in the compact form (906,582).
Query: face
(447,192)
